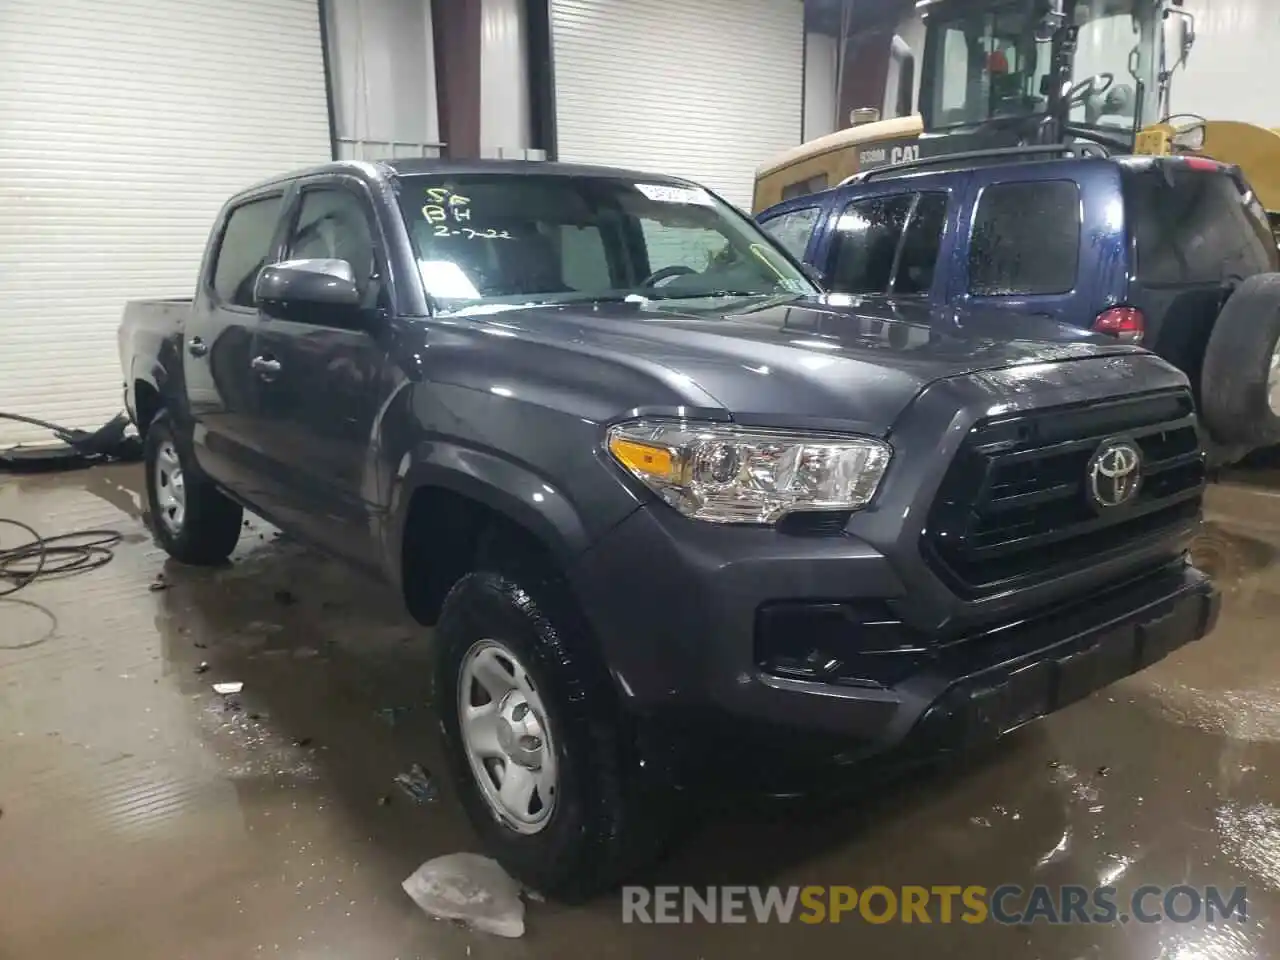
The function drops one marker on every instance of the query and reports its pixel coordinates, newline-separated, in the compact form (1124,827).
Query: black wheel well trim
(448,520)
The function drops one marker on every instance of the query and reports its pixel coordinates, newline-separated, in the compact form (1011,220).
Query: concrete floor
(144,817)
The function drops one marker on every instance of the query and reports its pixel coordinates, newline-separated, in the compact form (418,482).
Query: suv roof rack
(999,153)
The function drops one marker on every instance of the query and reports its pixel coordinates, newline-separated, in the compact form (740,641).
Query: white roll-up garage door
(124,125)
(704,89)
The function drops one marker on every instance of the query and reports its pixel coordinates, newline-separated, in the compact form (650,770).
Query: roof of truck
(422,166)
(409,167)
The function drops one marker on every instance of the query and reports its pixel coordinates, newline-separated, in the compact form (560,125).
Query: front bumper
(984,687)
(678,618)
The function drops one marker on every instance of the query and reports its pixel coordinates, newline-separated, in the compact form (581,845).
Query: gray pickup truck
(665,502)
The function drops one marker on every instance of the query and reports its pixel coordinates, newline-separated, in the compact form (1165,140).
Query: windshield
(502,239)
(1117,46)
(989,65)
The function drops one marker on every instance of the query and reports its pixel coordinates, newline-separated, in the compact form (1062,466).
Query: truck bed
(150,333)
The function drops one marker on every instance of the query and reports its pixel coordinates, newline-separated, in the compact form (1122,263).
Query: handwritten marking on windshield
(443,230)
(447,208)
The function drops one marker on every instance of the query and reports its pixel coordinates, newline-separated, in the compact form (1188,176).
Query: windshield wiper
(659,295)
(597,298)
(706,294)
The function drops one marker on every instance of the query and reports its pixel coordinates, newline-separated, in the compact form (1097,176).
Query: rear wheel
(538,750)
(1240,379)
(190,518)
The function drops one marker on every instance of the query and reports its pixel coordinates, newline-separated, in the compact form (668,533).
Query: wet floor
(143,815)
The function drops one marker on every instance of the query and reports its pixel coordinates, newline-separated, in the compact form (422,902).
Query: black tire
(1218,456)
(605,823)
(1237,362)
(210,527)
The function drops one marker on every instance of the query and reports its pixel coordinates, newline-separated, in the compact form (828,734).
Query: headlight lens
(728,474)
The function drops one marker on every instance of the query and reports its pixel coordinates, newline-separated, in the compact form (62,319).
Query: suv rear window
(1195,226)
(1026,239)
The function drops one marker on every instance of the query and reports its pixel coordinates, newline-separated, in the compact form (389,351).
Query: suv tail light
(1124,323)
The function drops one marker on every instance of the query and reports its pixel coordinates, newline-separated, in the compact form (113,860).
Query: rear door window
(243,252)
(1194,226)
(793,229)
(1026,239)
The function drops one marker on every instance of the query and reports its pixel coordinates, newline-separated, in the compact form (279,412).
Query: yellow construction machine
(1005,73)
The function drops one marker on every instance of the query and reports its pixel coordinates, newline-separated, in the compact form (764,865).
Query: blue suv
(1173,253)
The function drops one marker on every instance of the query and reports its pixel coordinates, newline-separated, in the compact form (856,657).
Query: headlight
(727,474)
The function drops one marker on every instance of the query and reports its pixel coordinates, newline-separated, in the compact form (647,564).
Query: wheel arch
(458,504)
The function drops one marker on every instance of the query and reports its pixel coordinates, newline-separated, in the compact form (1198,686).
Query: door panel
(318,412)
(320,387)
(217,346)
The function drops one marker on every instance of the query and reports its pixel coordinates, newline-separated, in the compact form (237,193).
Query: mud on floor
(146,816)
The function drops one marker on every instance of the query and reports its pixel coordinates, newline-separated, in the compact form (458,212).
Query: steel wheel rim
(1273,381)
(171,491)
(507,737)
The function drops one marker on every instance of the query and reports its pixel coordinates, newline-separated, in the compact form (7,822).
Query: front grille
(1014,508)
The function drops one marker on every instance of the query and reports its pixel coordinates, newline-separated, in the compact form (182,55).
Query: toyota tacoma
(656,491)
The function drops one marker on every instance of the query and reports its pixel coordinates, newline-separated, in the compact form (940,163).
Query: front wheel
(535,743)
(190,518)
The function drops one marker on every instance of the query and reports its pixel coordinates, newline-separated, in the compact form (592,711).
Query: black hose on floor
(110,442)
(58,556)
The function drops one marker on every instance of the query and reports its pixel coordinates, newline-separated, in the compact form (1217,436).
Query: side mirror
(323,290)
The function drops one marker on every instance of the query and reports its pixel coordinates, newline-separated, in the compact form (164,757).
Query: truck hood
(832,358)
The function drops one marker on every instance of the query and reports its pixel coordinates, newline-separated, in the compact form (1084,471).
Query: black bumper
(678,619)
(985,687)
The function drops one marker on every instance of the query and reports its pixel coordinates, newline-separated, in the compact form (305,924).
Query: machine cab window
(987,66)
(997,63)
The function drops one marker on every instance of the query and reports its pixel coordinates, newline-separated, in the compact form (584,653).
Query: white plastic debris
(227,689)
(469,888)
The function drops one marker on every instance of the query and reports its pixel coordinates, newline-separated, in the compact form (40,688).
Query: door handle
(197,347)
(265,367)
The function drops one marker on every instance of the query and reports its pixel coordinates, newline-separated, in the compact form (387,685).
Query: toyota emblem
(1115,474)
